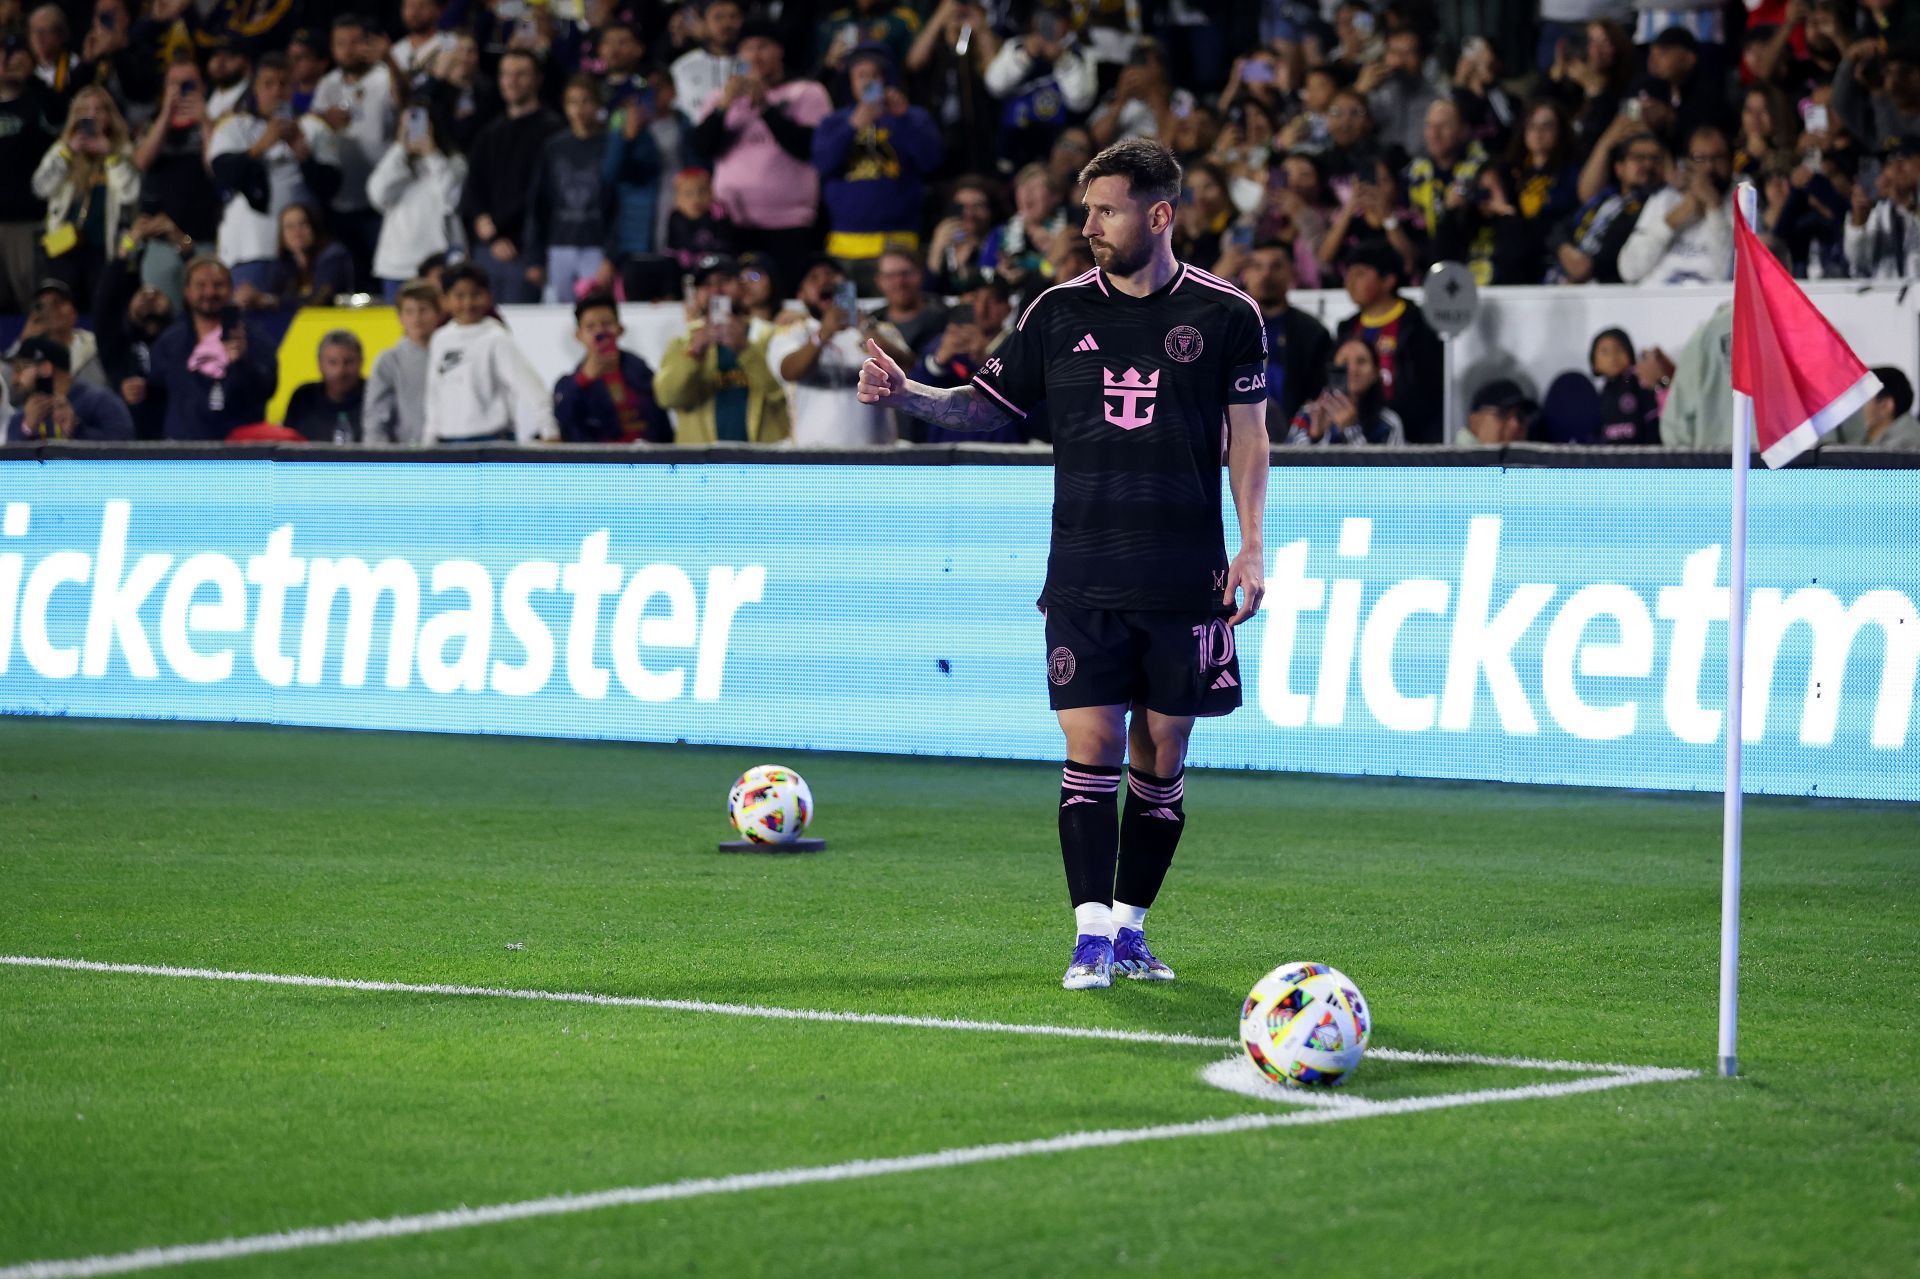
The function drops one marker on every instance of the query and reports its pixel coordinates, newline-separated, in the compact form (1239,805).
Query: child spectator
(697,228)
(1406,349)
(1629,411)
(608,398)
(480,385)
(415,186)
(329,411)
(567,210)
(396,400)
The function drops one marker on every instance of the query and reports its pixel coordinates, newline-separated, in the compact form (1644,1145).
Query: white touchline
(769,1013)
(563,1205)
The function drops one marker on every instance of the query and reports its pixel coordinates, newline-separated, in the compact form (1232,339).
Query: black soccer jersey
(1136,392)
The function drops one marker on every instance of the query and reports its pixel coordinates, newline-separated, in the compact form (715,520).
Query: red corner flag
(1802,376)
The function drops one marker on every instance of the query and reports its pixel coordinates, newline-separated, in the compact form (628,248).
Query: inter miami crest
(1184,343)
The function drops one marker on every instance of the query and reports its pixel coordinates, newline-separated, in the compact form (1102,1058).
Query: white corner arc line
(859,1169)
(769,1013)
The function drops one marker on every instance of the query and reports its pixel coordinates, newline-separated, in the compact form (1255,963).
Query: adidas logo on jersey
(1086,344)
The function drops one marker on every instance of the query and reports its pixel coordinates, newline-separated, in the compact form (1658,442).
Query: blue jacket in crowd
(585,412)
(875,179)
(99,415)
(199,407)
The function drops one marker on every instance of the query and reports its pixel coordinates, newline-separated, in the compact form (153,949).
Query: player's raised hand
(881,377)
(1245,574)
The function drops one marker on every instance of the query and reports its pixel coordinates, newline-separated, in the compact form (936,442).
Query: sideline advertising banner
(1563,626)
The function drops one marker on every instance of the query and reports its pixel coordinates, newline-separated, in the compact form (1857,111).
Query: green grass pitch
(138,1111)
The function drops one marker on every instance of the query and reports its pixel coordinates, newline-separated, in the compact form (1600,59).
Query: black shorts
(1174,663)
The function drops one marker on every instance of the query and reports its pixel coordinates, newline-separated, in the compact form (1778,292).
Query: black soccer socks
(1089,830)
(1150,827)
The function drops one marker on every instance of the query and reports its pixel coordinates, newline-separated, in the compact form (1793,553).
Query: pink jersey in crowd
(756,182)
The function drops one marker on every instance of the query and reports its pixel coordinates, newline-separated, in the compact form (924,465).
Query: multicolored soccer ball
(1305,1025)
(770,804)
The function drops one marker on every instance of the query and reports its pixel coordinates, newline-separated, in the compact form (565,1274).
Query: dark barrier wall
(1486,619)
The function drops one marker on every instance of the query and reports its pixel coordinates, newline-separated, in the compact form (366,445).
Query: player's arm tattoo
(958,408)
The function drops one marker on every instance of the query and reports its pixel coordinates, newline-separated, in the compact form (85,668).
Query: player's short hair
(1151,171)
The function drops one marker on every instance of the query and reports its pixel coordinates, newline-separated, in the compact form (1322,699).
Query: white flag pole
(1736,661)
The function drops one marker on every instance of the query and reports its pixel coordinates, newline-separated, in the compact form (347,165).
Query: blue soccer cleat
(1092,966)
(1131,957)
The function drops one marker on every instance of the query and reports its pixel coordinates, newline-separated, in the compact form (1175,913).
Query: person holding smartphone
(415,184)
(819,359)
(50,405)
(715,376)
(609,397)
(1353,409)
(874,158)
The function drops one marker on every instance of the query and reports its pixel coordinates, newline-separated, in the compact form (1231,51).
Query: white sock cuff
(1125,916)
(1093,919)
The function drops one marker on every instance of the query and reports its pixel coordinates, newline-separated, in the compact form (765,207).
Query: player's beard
(1124,261)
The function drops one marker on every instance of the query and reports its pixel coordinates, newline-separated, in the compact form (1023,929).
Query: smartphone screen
(719,309)
(1259,71)
(1337,379)
(846,297)
(1816,119)
(417,126)
(229,322)
(874,91)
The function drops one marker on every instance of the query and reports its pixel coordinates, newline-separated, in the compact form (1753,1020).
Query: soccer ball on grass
(770,804)
(1305,1025)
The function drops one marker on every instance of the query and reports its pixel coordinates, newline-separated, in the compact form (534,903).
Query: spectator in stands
(1373,216)
(630,163)
(52,406)
(463,101)
(1877,95)
(1536,187)
(1483,103)
(1298,347)
(1351,155)
(130,319)
(1629,409)
(954,252)
(759,132)
(1769,126)
(501,164)
(1144,100)
(911,317)
(209,376)
(230,72)
(26,132)
(1044,81)
(947,66)
(1882,239)
(865,22)
(1685,232)
(359,101)
(54,62)
(424,41)
(874,159)
(673,136)
(310,269)
(1500,413)
(975,329)
(697,227)
(92,190)
(1398,92)
(608,398)
(1689,81)
(55,315)
(715,376)
(416,186)
(700,75)
(172,157)
(758,295)
(1205,216)
(268,160)
(1352,410)
(1888,415)
(1592,75)
(396,399)
(481,388)
(1022,247)
(328,411)
(109,58)
(819,359)
(569,205)
(1297,212)
(1443,178)
(623,54)
(1406,349)
(308,61)
(1586,245)
(1698,412)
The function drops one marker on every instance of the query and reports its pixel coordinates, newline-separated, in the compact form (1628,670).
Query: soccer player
(1143,362)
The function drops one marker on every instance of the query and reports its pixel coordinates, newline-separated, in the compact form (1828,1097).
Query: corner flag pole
(1736,660)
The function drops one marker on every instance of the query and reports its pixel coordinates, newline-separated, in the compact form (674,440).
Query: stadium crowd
(187,172)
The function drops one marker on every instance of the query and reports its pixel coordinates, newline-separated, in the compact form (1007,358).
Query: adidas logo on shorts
(1226,680)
